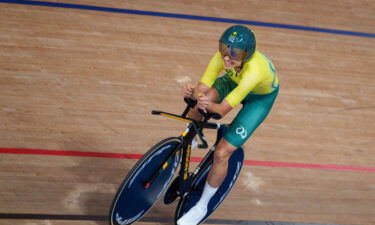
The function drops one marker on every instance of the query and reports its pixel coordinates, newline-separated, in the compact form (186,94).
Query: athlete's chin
(228,66)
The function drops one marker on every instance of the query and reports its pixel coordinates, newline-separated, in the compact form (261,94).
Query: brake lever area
(208,115)
(190,102)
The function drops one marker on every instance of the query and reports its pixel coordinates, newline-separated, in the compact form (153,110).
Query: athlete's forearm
(201,88)
(223,108)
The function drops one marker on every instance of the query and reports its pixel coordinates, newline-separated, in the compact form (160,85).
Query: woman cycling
(250,78)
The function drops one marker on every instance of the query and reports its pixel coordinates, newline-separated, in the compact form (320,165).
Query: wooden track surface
(87,80)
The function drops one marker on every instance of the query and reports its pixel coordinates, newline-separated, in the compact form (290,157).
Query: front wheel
(134,198)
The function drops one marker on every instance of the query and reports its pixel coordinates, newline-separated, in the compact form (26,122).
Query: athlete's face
(230,63)
(232,57)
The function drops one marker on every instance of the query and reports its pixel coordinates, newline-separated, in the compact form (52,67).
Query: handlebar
(192,103)
(198,126)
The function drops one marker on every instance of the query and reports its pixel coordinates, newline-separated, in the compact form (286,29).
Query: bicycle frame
(194,128)
(151,175)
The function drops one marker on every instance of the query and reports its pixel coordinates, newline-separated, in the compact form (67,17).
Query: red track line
(68,153)
(193,159)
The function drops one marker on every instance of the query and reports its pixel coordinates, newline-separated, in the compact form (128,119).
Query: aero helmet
(239,42)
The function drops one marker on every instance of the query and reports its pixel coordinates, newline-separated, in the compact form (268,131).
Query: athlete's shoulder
(217,56)
(257,58)
(217,61)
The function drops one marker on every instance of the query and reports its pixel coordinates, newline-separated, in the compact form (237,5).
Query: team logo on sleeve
(241,131)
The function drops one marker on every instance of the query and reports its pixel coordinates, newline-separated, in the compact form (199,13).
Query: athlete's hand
(188,91)
(204,103)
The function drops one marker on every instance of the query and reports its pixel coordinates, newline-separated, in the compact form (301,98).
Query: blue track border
(189,17)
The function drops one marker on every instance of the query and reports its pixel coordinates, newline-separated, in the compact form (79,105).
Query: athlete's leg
(220,164)
(217,93)
(215,178)
(247,120)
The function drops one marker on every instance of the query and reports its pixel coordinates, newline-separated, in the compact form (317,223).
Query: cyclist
(250,78)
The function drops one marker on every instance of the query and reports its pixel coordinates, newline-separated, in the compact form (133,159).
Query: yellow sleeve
(245,86)
(213,69)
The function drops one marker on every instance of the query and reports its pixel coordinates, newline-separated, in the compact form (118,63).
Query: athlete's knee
(223,152)
(221,157)
(212,94)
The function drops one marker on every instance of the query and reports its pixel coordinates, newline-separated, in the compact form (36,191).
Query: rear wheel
(188,201)
(172,192)
(137,193)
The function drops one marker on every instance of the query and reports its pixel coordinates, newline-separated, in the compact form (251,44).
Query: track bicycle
(152,175)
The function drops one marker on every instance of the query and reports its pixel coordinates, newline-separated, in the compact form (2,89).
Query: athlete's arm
(213,69)
(201,88)
(244,87)
(223,108)
(205,104)
(236,96)
(190,91)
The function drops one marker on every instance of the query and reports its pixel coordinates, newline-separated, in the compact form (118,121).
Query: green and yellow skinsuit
(255,86)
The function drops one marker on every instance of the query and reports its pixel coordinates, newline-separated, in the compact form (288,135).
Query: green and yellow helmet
(239,42)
